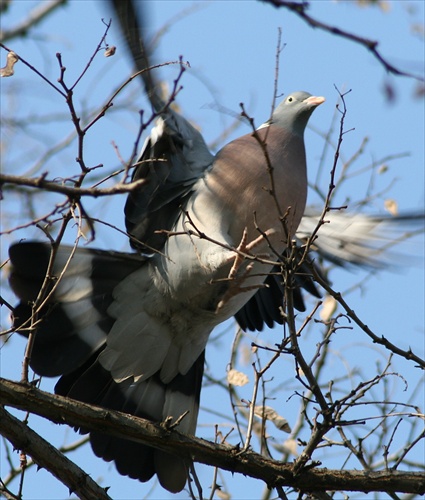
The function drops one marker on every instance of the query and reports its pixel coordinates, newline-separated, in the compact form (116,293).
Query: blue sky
(231,47)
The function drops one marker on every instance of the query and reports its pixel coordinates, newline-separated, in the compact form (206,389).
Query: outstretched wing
(347,240)
(173,158)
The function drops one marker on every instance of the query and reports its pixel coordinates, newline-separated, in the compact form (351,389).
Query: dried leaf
(237,378)
(110,51)
(328,308)
(391,206)
(269,414)
(11,60)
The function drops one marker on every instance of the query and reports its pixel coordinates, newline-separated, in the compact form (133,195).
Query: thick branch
(64,410)
(47,456)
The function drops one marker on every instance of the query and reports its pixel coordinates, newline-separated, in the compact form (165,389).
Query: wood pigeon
(127,331)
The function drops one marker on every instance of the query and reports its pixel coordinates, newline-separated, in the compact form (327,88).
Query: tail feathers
(131,459)
(360,240)
(172,473)
(150,399)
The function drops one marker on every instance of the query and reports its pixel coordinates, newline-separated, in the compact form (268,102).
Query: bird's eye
(290,99)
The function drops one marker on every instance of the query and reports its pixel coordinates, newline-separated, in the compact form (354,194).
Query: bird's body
(133,338)
(176,294)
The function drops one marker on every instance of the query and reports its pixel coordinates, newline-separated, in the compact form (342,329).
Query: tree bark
(274,473)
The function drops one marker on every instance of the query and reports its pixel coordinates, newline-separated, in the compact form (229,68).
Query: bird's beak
(315,101)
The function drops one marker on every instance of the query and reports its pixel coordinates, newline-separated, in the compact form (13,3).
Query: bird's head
(295,110)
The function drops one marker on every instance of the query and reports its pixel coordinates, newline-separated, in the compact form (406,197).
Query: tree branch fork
(274,473)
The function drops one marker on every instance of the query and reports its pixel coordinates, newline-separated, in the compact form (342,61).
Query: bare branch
(409,355)
(24,438)
(40,12)
(73,192)
(35,71)
(300,9)
(64,410)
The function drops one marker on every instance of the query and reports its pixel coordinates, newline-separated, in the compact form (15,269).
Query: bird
(130,333)
(128,330)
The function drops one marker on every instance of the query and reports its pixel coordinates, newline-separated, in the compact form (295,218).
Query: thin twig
(300,9)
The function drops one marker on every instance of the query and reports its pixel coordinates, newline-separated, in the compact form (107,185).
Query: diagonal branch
(40,12)
(381,340)
(300,9)
(274,473)
(48,457)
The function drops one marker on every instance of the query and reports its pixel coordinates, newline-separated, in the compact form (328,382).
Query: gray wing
(351,241)
(172,160)
(173,157)
(359,240)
